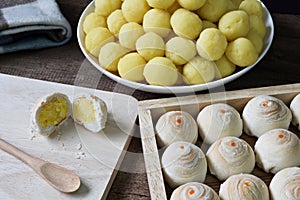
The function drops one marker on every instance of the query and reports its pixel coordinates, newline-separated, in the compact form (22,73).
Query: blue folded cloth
(31,24)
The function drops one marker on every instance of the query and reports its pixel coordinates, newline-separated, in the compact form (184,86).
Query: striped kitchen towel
(31,24)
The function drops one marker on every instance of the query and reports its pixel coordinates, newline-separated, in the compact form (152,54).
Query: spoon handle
(21,155)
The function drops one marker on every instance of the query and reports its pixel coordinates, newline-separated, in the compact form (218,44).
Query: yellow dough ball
(234,24)
(234,4)
(161,4)
(105,7)
(252,7)
(131,67)
(230,6)
(207,24)
(180,79)
(160,71)
(224,67)
(258,25)
(115,21)
(186,23)
(110,55)
(191,4)
(93,20)
(241,52)
(180,50)
(175,6)
(150,45)
(256,40)
(170,36)
(199,71)
(129,33)
(134,10)
(212,10)
(211,44)
(96,38)
(157,21)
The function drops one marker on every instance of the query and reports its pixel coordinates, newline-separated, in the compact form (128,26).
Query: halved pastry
(90,112)
(50,112)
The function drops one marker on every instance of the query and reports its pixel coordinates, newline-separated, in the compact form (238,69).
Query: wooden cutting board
(95,157)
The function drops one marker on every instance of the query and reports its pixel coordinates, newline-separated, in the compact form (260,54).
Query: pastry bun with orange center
(277,149)
(286,184)
(176,126)
(183,162)
(295,108)
(194,191)
(263,113)
(244,186)
(228,156)
(219,120)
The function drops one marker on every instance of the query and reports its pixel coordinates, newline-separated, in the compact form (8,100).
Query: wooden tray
(151,110)
(94,157)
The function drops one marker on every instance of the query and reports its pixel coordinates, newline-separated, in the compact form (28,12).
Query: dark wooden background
(281,65)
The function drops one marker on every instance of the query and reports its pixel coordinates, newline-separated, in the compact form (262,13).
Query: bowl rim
(174,89)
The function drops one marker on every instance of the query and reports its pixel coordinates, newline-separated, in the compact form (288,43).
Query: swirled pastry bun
(219,120)
(295,108)
(228,156)
(90,112)
(244,186)
(50,112)
(277,149)
(286,184)
(183,162)
(176,126)
(264,113)
(194,191)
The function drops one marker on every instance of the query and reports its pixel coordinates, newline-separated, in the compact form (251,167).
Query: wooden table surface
(281,65)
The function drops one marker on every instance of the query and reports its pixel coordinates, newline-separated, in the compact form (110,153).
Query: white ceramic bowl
(174,89)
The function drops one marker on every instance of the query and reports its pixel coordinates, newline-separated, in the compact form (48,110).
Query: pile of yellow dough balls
(174,42)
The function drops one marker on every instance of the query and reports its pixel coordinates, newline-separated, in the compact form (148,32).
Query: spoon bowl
(60,178)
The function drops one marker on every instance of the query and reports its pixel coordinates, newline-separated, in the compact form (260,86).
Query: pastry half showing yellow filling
(90,112)
(50,112)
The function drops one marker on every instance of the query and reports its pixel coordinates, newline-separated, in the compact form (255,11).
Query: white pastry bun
(228,156)
(286,184)
(295,108)
(50,112)
(90,112)
(176,126)
(277,149)
(194,191)
(263,113)
(244,186)
(183,162)
(217,121)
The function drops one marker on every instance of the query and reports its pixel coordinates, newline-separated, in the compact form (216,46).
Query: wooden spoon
(58,177)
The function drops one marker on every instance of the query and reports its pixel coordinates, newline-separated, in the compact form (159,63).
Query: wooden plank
(151,110)
(95,157)
(151,157)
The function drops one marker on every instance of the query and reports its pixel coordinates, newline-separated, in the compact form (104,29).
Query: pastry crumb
(79,146)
